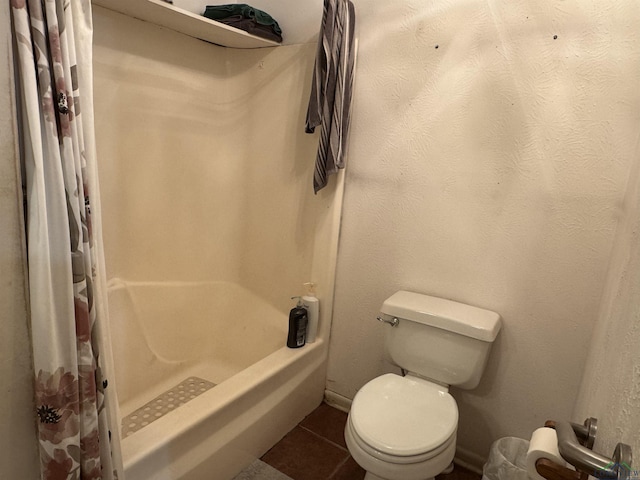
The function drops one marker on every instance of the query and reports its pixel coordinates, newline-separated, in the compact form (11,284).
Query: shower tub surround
(222,334)
(210,226)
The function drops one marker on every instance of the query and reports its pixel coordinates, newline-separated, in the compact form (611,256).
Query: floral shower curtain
(76,407)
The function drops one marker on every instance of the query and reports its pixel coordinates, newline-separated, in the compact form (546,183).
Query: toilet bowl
(404,427)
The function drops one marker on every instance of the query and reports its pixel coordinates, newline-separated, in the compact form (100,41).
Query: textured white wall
(610,389)
(18,444)
(488,170)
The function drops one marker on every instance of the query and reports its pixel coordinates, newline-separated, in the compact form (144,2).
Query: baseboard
(469,460)
(337,401)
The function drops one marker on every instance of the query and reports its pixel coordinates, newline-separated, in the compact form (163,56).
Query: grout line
(340,465)
(325,439)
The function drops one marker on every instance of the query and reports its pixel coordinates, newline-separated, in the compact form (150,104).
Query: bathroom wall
(610,389)
(205,168)
(18,444)
(490,149)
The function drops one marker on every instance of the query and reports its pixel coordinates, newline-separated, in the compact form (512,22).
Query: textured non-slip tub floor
(315,450)
(164,403)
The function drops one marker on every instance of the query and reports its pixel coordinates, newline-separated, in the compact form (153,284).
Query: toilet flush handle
(393,321)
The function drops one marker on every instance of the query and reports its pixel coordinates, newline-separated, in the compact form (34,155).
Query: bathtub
(166,332)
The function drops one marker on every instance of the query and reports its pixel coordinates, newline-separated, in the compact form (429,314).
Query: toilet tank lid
(437,312)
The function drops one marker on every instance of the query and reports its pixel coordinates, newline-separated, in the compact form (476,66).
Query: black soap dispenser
(298,320)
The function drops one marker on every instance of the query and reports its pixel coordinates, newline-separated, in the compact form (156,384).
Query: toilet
(404,427)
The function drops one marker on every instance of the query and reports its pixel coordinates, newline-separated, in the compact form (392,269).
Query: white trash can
(507,460)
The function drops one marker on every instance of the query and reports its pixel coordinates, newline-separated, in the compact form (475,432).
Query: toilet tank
(439,339)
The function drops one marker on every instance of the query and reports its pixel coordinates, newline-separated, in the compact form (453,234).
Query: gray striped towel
(330,101)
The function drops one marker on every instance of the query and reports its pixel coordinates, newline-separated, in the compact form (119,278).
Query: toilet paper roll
(543,444)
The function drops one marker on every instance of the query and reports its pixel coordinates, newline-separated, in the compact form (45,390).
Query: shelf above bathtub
(180,20)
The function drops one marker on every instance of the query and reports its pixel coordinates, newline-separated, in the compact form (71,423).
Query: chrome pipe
(587,460)
(586,433)
(581,431)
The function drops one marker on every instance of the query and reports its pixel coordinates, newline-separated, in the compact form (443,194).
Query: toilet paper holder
(575,443)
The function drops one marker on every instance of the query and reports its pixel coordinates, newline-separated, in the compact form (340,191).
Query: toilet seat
(403,419)
(399,460)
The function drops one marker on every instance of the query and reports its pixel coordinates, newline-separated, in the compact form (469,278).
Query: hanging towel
(246,18)
(330,101)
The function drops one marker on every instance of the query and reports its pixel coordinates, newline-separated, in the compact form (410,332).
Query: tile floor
(315,450)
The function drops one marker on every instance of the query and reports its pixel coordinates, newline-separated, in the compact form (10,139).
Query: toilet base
(449,469)
(371,476)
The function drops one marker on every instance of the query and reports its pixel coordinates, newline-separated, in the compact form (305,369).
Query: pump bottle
(312,304)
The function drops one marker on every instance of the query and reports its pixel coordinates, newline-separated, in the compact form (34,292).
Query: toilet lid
(403,416)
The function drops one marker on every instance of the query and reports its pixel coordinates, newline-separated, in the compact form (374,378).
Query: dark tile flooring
(315,450)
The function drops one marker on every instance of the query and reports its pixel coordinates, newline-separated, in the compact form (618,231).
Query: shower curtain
(76,407)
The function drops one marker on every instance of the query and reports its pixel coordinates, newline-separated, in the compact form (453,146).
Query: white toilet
(404,428)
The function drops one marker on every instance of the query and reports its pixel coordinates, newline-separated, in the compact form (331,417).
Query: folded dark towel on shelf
(247,18)
(250,26)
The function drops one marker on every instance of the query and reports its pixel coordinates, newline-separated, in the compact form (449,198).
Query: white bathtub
(221,332)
